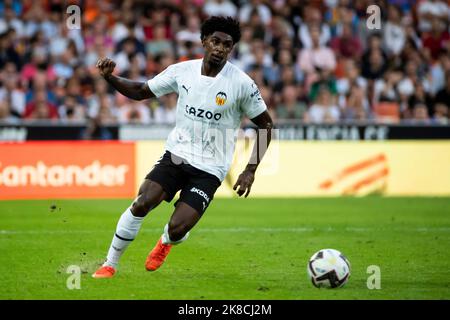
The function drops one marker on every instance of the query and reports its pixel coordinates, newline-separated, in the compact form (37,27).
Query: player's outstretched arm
(135,90)
(244,183)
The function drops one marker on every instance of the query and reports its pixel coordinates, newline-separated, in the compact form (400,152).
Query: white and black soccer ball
(328,268)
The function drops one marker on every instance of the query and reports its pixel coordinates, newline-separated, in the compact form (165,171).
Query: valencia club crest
(221,98)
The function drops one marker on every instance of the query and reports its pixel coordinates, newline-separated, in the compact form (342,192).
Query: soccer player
(213,97)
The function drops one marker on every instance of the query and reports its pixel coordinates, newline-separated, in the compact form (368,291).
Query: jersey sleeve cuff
(256,113)
(153,89)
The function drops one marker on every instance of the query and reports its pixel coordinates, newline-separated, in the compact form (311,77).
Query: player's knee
(142,205)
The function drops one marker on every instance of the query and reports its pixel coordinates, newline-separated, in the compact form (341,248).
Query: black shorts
(173,174)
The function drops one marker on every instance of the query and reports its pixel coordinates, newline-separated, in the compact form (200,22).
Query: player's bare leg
(149,197)
(176,231)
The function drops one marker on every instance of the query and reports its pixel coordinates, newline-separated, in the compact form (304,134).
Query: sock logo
(201,193)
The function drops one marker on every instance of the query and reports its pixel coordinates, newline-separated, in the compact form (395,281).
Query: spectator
(421,96)
(316,57)
(71,110)
(257,26)
(129,51)
(107,114)
(189,34)
(375,67)
(411,79)
(63,67)
(279,30)
(324,110)
(293,11)
(243,48)
(347,45)
(60,41)
(159,44)
(40,83)
(352,77)
(441,114)
(40,108)
(97,128)
(287,78)
(341,13)
(12,95)
(223,8)
(436,40)
(429,11)
(33,18)
(285,44)
(264,62)
(437,72)
(267,95)
(313,23)
(394,34)
(73,88)
(155,15)
(357,105)
(386,89)
(7,51)
(9,20)
(99,34)
(191,52)
(324,80)
(99,94)
(374,47)
(420,114)
(257,56)
(291,107)
(263,11)
(5,113)
(443,95)
(286,61)
(134,112)
(411,36)
(39,64)
(126,27)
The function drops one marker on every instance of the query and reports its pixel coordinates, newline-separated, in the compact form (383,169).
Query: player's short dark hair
(226,25)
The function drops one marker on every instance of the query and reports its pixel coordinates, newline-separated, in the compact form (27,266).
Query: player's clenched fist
(106,66)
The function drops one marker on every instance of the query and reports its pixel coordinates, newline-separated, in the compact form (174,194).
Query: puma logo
(187,89)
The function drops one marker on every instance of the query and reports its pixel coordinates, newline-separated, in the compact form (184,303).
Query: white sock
(166,238)
(127,229)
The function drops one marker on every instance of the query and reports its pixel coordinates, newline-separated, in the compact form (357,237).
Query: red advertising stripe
(367,181)
(67,170)
(352,169)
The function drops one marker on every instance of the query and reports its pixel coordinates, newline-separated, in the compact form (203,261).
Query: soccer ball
(328,268)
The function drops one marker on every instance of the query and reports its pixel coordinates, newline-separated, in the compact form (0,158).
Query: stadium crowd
(315,61)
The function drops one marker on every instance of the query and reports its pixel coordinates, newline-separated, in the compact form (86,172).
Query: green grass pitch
(241,249)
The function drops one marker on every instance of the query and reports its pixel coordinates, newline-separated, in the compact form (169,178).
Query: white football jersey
(209,112)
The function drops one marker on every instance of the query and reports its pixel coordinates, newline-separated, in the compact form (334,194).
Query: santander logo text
(41,174)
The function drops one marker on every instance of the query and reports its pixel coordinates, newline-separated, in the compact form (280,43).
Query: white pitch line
(155,230)
(236,230)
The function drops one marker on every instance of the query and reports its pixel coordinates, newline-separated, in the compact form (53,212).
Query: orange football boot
(157,256)
(104,272)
